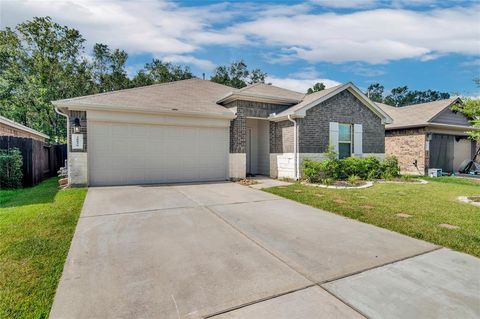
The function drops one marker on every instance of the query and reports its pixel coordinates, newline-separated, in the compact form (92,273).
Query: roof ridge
(131,89)
(427,103)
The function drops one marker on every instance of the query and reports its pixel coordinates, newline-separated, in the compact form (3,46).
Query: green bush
(390,168)
(366,168)
(11,174)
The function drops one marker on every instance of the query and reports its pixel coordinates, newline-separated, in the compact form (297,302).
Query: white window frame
(345,142)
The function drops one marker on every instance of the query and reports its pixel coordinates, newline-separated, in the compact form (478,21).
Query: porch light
(76,125)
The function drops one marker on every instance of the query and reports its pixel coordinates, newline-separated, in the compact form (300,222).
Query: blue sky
(424,44)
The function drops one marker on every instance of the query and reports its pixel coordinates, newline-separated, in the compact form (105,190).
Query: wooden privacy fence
(40,160)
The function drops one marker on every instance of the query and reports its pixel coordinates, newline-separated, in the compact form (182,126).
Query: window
(344,140)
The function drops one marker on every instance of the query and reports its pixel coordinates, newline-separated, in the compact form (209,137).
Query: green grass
(36,227)
(429,205)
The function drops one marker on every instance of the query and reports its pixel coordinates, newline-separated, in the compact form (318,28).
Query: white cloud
(284,32)
(373,36)
(345,3)
(363,70)
(201,63)
(299,85)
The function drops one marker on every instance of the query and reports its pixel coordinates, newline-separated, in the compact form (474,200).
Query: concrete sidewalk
(229,251)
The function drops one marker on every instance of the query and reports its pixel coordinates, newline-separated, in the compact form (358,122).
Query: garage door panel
(138,154)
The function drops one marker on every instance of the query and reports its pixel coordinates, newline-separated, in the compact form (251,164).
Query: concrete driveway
(222,250)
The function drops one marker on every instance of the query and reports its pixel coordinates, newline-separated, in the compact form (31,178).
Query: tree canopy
(42,61)
(317,87)
(402,96)
(237,75)
(471,108)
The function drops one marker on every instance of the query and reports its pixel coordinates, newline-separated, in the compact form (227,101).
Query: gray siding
(238,126)
(344,108)
(447,116)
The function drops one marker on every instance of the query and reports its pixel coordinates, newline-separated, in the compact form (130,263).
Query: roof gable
(311,100)
(423,114)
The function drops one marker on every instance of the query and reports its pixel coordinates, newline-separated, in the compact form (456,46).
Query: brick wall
(281,137)
(246,109)
(6,130)
(82,115)
(343,108)
(408,146)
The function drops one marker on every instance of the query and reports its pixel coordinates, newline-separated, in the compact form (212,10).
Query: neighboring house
(197,130)
(428,135)
(11,128)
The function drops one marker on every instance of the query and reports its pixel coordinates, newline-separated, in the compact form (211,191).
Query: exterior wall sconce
(76,125)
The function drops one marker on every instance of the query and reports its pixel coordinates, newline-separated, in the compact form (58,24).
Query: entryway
(258,147)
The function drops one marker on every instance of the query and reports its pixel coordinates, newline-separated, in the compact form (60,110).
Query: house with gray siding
(197,130)
(428,135)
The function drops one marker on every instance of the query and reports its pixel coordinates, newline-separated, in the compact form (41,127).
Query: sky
(423,44)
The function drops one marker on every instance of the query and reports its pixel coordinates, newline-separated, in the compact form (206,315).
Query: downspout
(295,146)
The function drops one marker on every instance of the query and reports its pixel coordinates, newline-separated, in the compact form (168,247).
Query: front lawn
(36,227)
(422,208)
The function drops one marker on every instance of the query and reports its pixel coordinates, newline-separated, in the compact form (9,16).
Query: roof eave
(433,125)
(228,114)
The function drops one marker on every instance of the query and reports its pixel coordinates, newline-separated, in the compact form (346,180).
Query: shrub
(11,174)
(312,170)
(364,168)
(390,168)
(353,179)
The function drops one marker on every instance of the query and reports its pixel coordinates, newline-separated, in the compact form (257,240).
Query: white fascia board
(228,114)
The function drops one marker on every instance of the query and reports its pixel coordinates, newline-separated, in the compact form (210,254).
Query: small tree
(471,108)
(316,88)
(11,174)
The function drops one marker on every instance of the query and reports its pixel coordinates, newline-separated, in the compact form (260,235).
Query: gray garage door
(120,154)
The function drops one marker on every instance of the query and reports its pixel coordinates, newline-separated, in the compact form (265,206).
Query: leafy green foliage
(471,108)
(11,173)
(401,96)
(41,61)
(375,92)
(161,72)
(316,88)
(109,68)
(237,75)
(366,168)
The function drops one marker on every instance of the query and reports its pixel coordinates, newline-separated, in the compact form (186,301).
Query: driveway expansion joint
(146,211)
(378,266)
(258,301)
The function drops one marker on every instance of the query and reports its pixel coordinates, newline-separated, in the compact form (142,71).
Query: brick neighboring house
(11,128)
(197,130)
(428,135)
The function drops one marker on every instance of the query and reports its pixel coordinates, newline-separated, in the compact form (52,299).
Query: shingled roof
(416,115)
(193,96)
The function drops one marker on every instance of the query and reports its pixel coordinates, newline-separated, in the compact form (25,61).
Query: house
(197,130)
(428,135)
(11,128)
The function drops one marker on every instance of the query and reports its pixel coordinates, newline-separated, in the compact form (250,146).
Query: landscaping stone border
(464,199)
(366,185)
